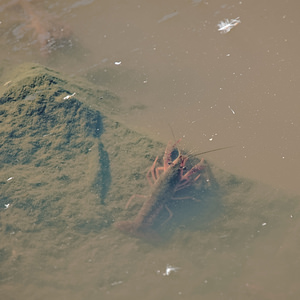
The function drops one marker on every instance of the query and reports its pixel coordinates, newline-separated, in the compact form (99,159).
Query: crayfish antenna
(213,150)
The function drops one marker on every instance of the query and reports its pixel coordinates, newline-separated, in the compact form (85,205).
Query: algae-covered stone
(59,149)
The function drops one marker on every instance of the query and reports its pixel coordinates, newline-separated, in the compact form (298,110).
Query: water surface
(170,65)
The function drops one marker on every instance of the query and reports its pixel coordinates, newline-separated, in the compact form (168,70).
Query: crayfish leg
(132,197)
(158,170)
(169,217)
(151,177)
(197,168)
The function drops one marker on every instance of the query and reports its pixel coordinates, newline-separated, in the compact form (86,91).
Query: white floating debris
(226,25)
(168,16)
(212,136)
(9,179)
(116,283)
(170,269)
(231,110)
(69,96)
(7,205)
(263,224)
(117,63)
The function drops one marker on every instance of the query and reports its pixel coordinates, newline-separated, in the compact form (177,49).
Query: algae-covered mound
(56,170)
(49,151)
(62,171)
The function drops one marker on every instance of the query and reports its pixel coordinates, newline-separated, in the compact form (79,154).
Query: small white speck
(116,283)
(7,205)
(291,216)
(7,83)
(117,63)
(226,25)
(170,269)
(231,110)
(69,96)
(168,16)
(9,179)
(263,224)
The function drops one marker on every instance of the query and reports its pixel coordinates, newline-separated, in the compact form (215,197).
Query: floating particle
(69,96)
(231,110)
(226,25)
(116,283)
(170,269)
(169,16)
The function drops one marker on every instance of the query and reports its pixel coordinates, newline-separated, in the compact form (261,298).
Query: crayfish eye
(169,163)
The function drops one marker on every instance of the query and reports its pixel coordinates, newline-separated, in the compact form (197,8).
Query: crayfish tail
(128,227)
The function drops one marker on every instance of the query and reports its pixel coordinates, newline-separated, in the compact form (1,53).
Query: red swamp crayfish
(165,181)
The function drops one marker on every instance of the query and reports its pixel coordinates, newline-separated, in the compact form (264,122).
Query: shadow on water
(103,179)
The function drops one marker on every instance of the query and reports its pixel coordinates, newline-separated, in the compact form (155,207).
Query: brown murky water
(171,65)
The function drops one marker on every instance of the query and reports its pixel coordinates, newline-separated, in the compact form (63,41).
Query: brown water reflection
(237,89)
(174,61)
